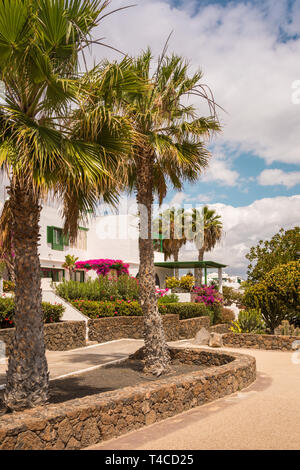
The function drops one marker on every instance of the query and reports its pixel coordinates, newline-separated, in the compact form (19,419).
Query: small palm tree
(212,228)
(170,228)
(169,149)
(69,264)
(43,152)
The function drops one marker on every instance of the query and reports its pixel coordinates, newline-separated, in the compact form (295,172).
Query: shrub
(187,282)
(52,312)
(231,296)
(96,309)
(227,315)
(8,286)
(168,299)
(249,321)
(287,330)
(172,282)
(186,310)
(101,289)
(277,295)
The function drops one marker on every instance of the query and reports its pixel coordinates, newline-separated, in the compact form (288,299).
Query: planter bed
(82,422)
(254,341)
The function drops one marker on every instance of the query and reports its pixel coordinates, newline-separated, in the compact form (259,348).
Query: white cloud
(275,176)
(219,171)
(245,226)
(237,47)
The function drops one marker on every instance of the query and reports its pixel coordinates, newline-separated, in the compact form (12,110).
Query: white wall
(110,236)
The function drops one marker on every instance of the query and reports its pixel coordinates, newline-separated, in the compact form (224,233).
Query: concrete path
(264,416)
(64,363)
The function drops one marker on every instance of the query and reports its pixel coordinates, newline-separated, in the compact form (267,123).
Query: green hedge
(94,309)
(187,310)
(100,289)
(52,312)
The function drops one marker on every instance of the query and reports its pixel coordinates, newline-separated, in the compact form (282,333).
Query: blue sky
(249,53)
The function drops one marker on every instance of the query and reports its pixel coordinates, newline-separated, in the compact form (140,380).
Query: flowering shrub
(161,292)
(52,312)
(207,294)
(103,266)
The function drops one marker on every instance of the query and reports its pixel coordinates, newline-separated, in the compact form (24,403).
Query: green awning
(189,264)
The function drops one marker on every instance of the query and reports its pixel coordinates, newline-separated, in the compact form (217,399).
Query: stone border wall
(61,336)
(253,341)
(86,421)
(112,328)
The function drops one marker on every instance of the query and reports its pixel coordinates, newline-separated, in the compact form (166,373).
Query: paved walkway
(64,363)
(264,416)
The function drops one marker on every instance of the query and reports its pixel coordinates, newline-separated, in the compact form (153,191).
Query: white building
(108,236)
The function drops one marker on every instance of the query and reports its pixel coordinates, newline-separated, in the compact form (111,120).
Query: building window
(57,275)
(81,240)
(78,276)
(56,238)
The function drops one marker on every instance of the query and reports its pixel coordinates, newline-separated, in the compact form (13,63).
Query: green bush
(100,289)
(96,309)
(277,295)
(52,312)
(287,330)
(186,310)
(168,299)
(8,286)
(249,321)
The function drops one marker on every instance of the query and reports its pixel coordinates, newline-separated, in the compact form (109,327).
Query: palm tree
(43,153)
(170,228)
(69,264)
(212,231)
(169,149)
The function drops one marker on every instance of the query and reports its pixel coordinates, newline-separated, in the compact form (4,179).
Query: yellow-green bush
(172,282)
(187,282)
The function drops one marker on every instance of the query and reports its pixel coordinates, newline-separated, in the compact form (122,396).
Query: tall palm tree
(42,152)
(212,228)
(170,228)
(169,149)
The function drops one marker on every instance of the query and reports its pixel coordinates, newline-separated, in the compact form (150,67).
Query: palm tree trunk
(156,350)
(27,375)
(175,256)
(198,271)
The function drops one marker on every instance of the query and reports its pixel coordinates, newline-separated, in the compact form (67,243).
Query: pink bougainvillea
(103,266)
(207,295)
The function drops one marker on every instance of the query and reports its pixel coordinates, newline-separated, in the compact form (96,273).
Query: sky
(249,53)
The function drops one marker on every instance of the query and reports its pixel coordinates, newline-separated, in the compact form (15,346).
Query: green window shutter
(66,240)
(50,235)
(58,243)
